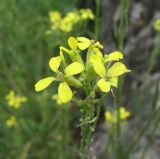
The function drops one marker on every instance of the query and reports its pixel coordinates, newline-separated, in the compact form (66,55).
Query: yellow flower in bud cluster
(14,100)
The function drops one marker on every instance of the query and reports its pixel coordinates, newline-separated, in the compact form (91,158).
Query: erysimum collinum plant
(83,65)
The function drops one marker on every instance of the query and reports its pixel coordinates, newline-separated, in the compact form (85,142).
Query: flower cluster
(66,23)
(95,73)
(14,100)
(112,117)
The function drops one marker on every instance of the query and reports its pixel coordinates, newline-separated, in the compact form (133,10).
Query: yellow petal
(72,43)
(83,46)
(54,63)
(83,43)
(100,69)
(103,85)
(114,56)
(83,39)
(98,52)
(64,92)
(114,81)
(94,58)
(43,83)
(117,69)
(74,68)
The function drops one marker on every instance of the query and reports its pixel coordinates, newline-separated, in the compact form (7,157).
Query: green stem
(124,6)
(97,19)
(89,117)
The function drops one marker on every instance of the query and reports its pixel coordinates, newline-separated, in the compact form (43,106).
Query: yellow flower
(55,19)
(64,92)
(113,56)
(112,117)
(157,25)
(73,43)
(54,16)
(14,100)
(109,77)
(84,43)
(73,51)
(66,23)
(86,14)
(11,121)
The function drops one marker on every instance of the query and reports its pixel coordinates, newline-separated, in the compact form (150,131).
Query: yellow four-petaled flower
(64,92)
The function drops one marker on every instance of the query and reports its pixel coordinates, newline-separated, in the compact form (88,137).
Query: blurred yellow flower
(112,117)
(157,25)
(66,23)
(86,14)
(55,17)
(11,121)
(14,100)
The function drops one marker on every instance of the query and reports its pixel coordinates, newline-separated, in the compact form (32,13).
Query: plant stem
(89,118)
(124,5)
(97,19)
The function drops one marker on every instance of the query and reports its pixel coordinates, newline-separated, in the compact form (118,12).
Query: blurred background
(33,125)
